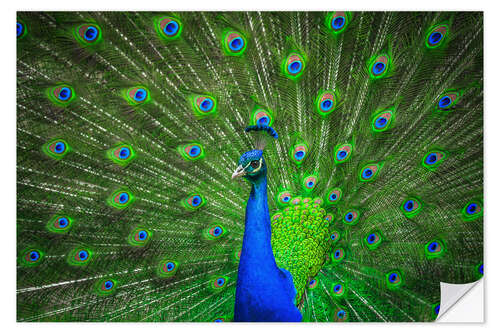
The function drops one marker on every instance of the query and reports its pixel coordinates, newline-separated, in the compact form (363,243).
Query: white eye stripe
(254,171)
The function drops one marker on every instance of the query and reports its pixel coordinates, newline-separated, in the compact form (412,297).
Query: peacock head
(251,166)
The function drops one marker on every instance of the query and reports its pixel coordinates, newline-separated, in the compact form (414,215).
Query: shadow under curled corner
(462,303)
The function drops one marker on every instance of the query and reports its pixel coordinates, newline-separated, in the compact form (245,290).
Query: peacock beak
(238,172)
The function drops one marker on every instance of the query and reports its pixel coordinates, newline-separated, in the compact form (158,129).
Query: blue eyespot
(124,153)
(326,105)
(108,285)
(171,28)
(236,44)
(338,23)
(471,209)
(220,281)
(19,29)
(337,288)
(409,205)
(380,122)
(436,309)
(34,255)
(431,158)
(378,68)
(64,94)
(433,247)
(90,34)
(143,235)
(337,254)
(170,266)
(83,255)
(367,173)
(299,155)
(371,238)
(333,197)
(140,95)
(393,277)
(123,198)
(217,231)
(444,102)
(264,121)
(63,222)
(59,147)
(481,269)
(194,151)
(295,67)
(435,38)
(341,154)
(348,217)
(196,200)
(341,314)
(206,104)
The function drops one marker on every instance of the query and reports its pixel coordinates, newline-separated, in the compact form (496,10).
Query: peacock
(247,166)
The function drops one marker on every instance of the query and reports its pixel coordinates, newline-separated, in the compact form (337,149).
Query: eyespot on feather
(139,237)
(194,201)
(80,256)
(121,154)
(337,22)
(56,148)
(379,66)
(168,28)
(293,66)
(436,36)
(233,43)
(61,95)
(88,34)
(191,151)
(369,172)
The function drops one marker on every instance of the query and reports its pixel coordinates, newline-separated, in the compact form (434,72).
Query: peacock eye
(337,21)
(61,95)
(261,116)
(218,283)
(326,102)
(167,268)
(79,256)
(254,164)
(234,43)
(122,154)
(32,257)
(411,207)
(169,28)
(88,33)
(137,95)
(293,66)
(379,66)
(436,35)
(342,153)
(203,105)
(56,148)
(21,30)
(139,237)
(191,151)
(214,232)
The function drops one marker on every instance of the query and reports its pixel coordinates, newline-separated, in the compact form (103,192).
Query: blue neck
(257,237)
(263,291)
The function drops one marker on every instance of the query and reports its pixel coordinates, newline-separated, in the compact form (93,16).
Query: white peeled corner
(462,303)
